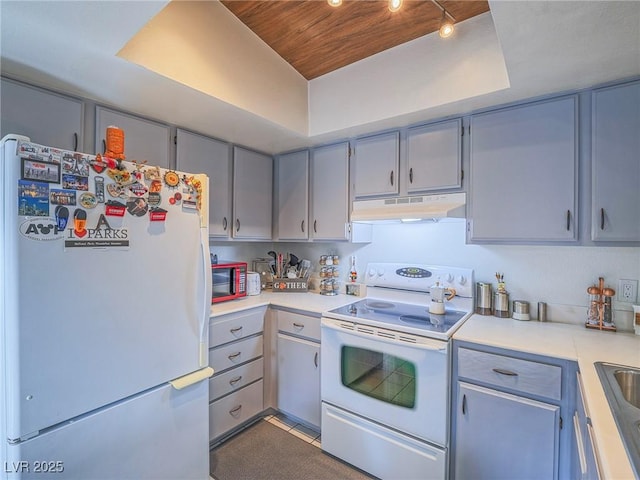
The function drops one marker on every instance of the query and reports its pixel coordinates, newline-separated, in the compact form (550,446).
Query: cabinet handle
(315,226)
(464,404)
(233,356)
(302,226)
(411,175)
(75,141)
(104,146)
(568,220)
(509,373)
(236,329)
(298,325)
(233,411)
(315,359)
(602,219)
(391,177)
(237,224)
(224,224)
(235,380)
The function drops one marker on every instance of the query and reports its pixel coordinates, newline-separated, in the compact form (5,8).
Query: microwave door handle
(233,278)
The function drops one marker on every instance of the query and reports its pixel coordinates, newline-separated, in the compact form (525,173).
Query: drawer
(235,379)
(233,354)
(235,326)
(513,373)
(301,325)
(235,409)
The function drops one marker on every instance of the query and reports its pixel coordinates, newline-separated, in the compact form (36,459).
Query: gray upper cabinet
(292,190)
(523,186)
(434,157)
(252,195)
(615,212)
(143,139)
(198,154)
(330,192)
(45,117)
(376,165)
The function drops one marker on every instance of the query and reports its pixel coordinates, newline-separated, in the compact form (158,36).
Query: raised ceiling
(316,38)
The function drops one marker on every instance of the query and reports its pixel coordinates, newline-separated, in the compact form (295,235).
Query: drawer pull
(464,404)
(505,372)
(235,380)
(235,412)
(298,325)
(315,360)
(235,330)
(233,356)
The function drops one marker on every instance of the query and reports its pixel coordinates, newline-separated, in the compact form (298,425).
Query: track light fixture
(334,3)
(446,26)
(394,5)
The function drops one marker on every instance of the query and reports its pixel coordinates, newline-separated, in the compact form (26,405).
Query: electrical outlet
(627,291)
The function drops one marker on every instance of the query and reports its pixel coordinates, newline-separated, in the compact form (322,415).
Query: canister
(501,304)
(483,298)
(521,310)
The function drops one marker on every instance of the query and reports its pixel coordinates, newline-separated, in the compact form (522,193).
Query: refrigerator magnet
(114,208)
(121,177)
(62,217)
(33,198)
(79,223)
(155,186)
(116,191)
(152,173)
(138,189)
(137,206)
(88,200)
(157,214)
(154,199)
(171,179)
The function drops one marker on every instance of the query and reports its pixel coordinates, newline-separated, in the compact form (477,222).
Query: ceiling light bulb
(334,3)
(394,5)
(446,26)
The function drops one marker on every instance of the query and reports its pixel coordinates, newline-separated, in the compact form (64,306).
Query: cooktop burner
(400,316)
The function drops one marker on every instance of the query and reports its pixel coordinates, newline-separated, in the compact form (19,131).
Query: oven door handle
(437,346)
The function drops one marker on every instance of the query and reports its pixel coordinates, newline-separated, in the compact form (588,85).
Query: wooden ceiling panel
(316,38)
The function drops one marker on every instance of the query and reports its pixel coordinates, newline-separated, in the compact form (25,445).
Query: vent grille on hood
(450,205)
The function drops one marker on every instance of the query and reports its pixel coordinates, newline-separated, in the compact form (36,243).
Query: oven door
(395,382)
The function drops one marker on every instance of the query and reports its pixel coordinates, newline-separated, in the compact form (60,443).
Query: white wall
(556,275)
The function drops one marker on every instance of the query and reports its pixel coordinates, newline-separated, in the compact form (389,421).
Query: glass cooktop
(400,316)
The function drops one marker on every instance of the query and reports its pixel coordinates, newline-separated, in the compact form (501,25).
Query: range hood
(412,208)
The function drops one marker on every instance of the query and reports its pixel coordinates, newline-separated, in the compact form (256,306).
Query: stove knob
(371,273)
(449,278)
(462,280)
(380,272)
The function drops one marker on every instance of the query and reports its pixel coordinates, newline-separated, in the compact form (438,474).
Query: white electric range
(385,371)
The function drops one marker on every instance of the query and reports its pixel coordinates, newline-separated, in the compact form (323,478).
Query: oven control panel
(420,277)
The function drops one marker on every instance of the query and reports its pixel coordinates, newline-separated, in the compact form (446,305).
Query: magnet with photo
(116,191)
(88,200)
(75,182)
(40,171)
(33,198)
(76,164)
(58,196)
(154,199)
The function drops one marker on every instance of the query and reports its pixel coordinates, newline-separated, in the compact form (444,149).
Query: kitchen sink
(621,386)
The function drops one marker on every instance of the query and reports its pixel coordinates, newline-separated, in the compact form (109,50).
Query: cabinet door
(434,157)
(616,163)
(293,196)
(198,154)
(330,192)
(143,139)
(252,194)
(376,164)
(46,118)
(299,378)
(524,173)
(503,436)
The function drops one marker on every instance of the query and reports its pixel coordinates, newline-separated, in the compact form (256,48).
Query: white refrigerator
(106,294)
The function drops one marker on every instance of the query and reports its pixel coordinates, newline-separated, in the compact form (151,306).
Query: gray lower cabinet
(299,366)
(585,460)
(507,415)
(199,154)
(45,117)
(615,156)
(236,391)
(144,140)
(524,174)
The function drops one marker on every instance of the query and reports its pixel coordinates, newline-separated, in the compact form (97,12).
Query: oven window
(379,375)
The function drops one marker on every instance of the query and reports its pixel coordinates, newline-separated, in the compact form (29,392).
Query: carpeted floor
(266,452)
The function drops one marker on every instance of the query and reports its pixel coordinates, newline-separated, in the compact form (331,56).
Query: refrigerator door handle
(206,270)
(191,378)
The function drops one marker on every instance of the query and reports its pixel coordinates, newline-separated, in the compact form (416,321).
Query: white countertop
(566,341)
(571,342)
